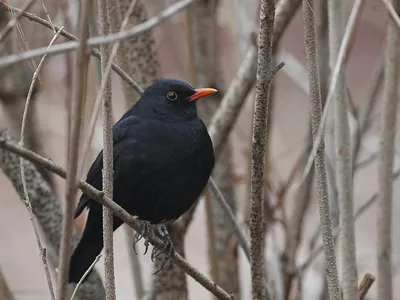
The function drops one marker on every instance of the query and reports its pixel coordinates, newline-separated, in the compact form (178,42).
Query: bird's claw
(168,249)
(144,232)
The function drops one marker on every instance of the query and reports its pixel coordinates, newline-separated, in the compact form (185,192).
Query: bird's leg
(168,249)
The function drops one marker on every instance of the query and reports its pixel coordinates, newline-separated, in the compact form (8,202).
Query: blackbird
(163,157)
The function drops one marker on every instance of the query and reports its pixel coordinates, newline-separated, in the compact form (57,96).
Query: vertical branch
(81,66)
(320,170)
(264,78)
(343,156)
(386,157)
(107,153)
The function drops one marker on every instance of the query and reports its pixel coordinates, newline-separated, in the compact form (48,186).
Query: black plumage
(163,158)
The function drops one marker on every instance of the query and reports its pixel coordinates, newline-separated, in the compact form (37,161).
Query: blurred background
(209,243)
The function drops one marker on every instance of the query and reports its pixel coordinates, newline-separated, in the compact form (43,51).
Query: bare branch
(320,170)
(48,212)
(232,219)
(360,211)
(365,285)
(84,276)
(5,293)
(107,171)
(21,143)
(365,112)
(70,36)
(81,67)
(264,78)
(13,21)
(98,196)
(225,116)
(351,24)
(343,168)
(386,158)
(97,41)
(393,14)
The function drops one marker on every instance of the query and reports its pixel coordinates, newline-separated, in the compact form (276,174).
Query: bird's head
(172,99)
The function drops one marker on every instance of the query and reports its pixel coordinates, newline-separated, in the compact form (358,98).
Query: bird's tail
(89,246)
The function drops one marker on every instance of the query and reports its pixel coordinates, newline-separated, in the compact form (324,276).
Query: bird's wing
(94,176)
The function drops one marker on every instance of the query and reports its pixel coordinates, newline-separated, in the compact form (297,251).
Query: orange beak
(201,93)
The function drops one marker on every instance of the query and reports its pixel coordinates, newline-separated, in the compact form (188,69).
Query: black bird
(163,158)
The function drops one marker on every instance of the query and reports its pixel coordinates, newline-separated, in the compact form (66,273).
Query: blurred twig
(393,12)
(117,210)
(351,24)
(361,210)
(5,293)
(13,21)
(320,170)
(70,36)
(364,116)
(365,285)
(80,78)
(386,160)
(232,219)
(48,212)
(343,161)
(98,40)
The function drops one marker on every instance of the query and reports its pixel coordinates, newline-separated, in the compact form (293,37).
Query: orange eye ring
(172,96)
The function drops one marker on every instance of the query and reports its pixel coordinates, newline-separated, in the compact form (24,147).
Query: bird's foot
(168,249)
(145,227)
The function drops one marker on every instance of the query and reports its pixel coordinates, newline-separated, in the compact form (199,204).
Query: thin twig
(106,73)
(236,227)
(320,170)
(364,117)
(386,160)
(228,110)
(70,36)
(365,285)
(97,41)
(117,210)
(84,275)
(360,211)
(23,178)
(105,94)
(344,180)
(349,31)
(264,78)
(78,101)
(13,21)
(46,12)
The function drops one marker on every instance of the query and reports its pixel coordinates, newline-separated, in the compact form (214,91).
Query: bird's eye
(172,96)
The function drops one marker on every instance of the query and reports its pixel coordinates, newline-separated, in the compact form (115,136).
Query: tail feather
(88,248)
